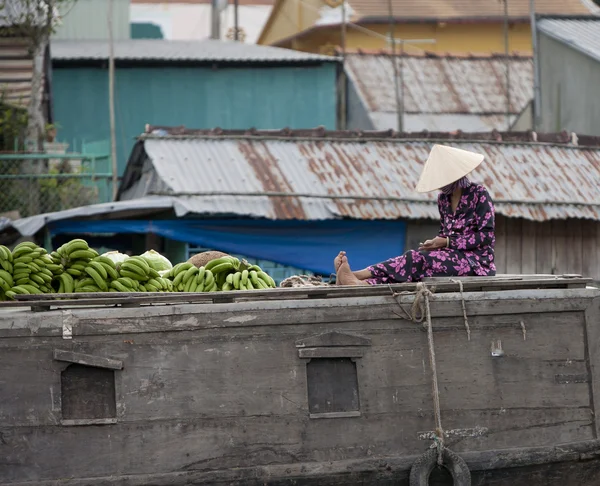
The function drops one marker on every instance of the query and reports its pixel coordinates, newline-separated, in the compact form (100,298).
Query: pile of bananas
(75,267)
(136,275)
(32,270)
(74,257)
(233,274)
(189,278)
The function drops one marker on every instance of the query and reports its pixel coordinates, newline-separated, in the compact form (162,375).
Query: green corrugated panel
(233,98)
(88,19)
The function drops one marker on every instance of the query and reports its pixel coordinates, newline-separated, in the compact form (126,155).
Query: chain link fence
(41,183)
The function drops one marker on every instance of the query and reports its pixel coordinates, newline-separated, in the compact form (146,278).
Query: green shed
(204,84)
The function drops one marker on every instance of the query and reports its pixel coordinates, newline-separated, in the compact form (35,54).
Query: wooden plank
(528,246)
(514,241)
(523,466)
(543,242)
(590,249)
(592,321)
(500,256)
(560,249)
(88,360)
(574,246)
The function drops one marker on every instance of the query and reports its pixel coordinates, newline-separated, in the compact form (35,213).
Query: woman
(465,243)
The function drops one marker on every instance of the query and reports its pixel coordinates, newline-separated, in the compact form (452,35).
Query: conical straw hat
(446,165)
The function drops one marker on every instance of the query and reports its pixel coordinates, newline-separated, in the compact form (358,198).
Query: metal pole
(343,82)
(536,66)
(215,32)
(506,53)
(399,116)
(235,20)
(111,100)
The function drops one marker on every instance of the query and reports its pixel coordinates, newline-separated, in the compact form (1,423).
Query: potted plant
(51,129)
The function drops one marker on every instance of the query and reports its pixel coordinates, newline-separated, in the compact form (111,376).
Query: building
(296,197)
(192,19)
(457,26)
(437,92)
(199,83)
(569,73)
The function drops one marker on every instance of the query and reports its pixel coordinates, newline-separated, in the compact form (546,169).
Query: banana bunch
(32,271)
(74,257)
(6,271)
(252,278)
(97,276)
(189,278)
(135,275)
(233,274)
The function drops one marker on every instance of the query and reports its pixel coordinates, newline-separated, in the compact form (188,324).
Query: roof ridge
(437,55)
(495,136)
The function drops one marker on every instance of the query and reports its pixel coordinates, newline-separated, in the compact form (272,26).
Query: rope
(421,311)
(462,301)
(439,431)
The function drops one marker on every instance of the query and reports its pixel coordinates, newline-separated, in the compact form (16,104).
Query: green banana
(11,294)
(254,278)
(116,285)
(189,273)
(67,283)
(37,279)
(33,266)
(75,245)
(244,278)
(141,262)
(7,277)
(209,280)
(227,287)
(222,267)
(4,285)
(82,255)
(21,281)
(150,287)
(74,272)
(7,266)
(132,275)
(249,285)
(32,289)
(99,268)
(100,282)
(133,266)
(237,279)
(5,253)
(88,288)
(19,289)
(267,279)
(23,259)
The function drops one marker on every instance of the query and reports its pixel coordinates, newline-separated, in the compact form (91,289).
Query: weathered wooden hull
(208,393)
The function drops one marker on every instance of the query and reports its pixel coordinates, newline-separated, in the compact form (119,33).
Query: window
(88,391)
(332,385)
(332,373)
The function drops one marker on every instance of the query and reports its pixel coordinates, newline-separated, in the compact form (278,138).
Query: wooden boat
(323,386)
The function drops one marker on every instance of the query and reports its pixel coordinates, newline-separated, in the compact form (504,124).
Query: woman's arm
(484,222)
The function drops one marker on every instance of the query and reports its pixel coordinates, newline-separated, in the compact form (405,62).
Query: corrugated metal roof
(166,50)
(582,35)
(472,89)
(468,9)
(363,176)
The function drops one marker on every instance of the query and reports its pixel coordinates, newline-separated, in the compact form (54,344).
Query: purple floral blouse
(471,227)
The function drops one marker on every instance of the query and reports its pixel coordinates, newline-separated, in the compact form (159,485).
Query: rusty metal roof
(314,175)
(441,92)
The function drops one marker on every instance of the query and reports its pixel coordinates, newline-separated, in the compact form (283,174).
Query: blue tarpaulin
(310,245)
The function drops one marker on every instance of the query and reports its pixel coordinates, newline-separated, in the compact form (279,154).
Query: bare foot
(338,260)
(345,275)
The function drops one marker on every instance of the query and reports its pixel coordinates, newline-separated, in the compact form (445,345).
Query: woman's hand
(437,242)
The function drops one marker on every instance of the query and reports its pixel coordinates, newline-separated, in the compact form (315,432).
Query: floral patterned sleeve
(442,232)
(481,229)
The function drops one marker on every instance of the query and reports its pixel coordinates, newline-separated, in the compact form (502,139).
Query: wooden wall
(522,246)
(554,247)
